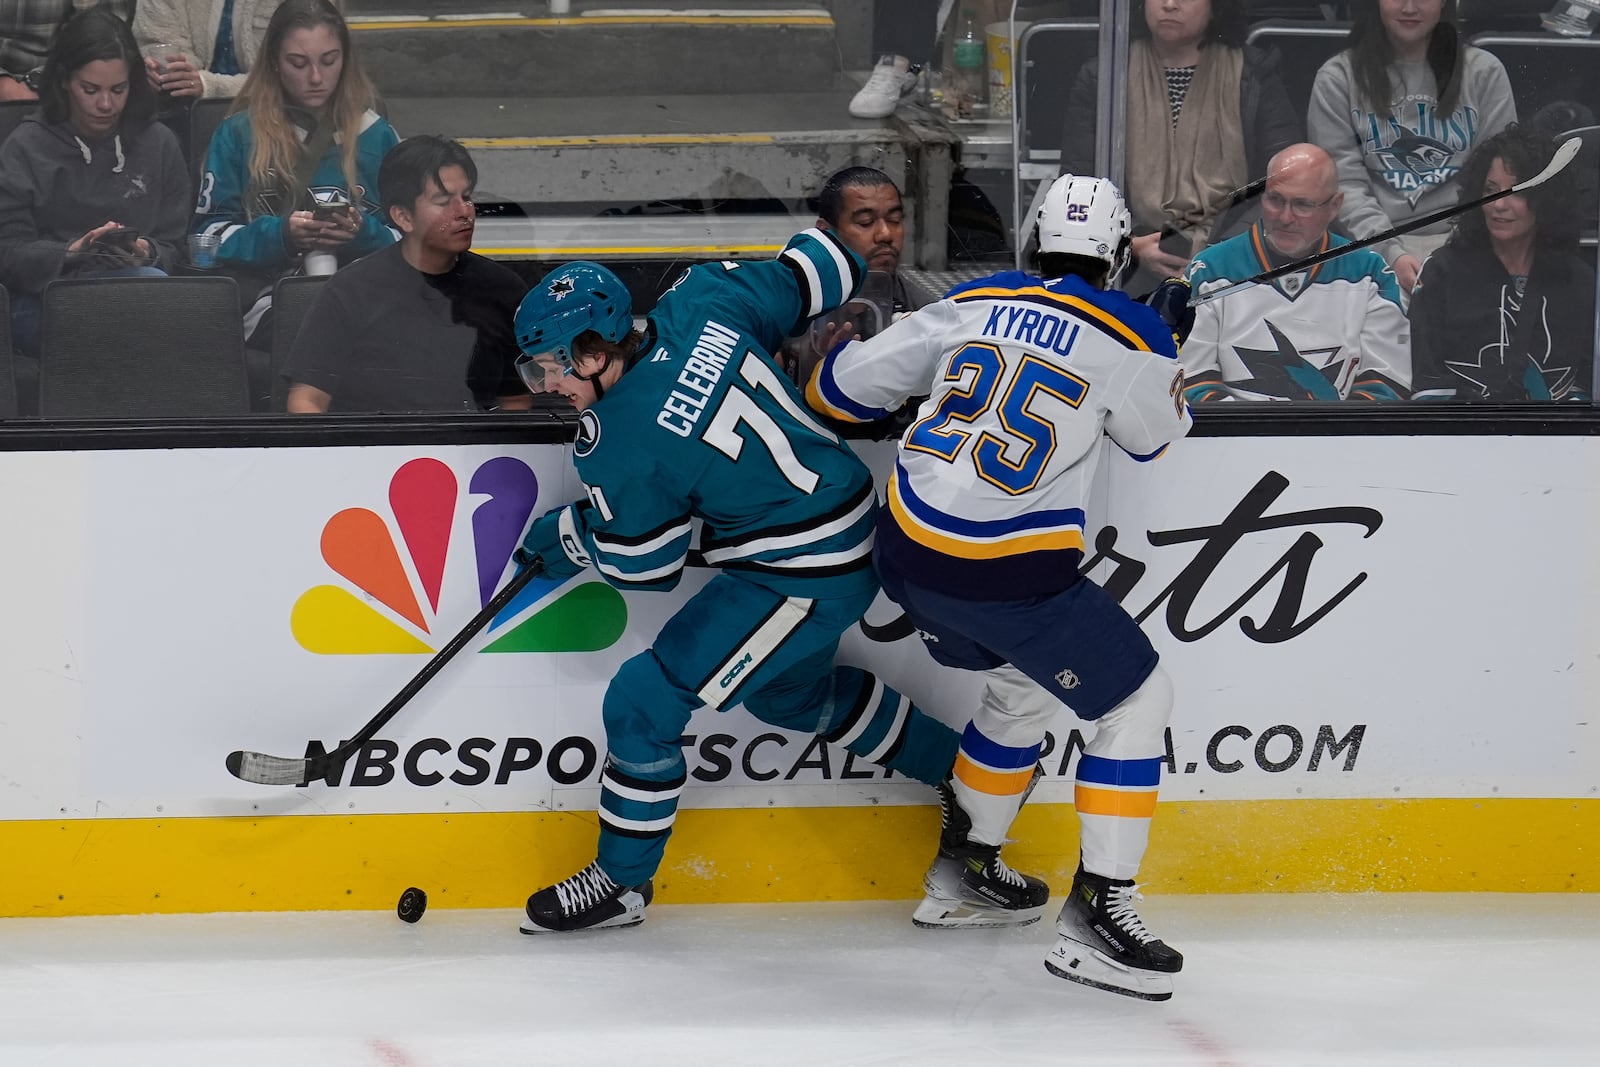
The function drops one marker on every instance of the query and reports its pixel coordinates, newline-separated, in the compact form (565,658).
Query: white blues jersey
(1024,378)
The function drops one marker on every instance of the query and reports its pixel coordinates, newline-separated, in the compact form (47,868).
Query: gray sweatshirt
(55,187)
(1400,163)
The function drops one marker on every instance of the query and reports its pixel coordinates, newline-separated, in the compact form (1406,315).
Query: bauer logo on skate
(396,569)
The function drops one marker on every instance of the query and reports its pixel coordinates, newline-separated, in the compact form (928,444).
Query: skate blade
(1079,963)
(938,914)
(621,921)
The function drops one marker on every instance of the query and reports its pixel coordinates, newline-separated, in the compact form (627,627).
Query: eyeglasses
(1300,209)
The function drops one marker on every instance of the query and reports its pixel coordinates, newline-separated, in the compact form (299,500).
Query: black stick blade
(262,769)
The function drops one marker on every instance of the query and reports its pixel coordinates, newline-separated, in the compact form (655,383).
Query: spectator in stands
(1505,310)
(26,30)
(1400,109)
(1205,114)
(292,173)
(90,186)
(863,206)
(211,43)
(1331,333)
(423,325)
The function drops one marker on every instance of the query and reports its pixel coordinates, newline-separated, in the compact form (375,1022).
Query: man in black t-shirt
(423,325)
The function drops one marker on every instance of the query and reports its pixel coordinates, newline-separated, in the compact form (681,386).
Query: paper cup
(1000,68)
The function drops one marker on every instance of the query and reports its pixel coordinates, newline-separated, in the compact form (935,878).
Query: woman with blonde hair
(291,176)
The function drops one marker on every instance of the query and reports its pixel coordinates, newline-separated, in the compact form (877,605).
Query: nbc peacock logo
(394,570)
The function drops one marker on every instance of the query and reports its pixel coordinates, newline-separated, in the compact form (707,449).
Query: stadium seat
(291,299)
(1546,69)
(142,347)
(8,380)
(1050,54)
(204,118)
(12,112)
(1587,167)
(1303,48)
(1483,16)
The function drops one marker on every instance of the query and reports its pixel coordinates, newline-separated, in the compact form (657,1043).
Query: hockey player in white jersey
(980,543)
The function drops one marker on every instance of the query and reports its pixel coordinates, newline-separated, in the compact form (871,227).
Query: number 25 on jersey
(983,394)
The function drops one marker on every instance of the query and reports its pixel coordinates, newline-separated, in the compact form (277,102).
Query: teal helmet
(571,300)
(567,303)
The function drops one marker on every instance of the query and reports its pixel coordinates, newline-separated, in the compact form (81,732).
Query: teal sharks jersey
(704,425)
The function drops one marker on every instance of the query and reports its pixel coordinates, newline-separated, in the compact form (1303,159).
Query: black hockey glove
(1170,300)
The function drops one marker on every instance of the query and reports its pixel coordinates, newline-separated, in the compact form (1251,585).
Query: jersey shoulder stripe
(1100,318)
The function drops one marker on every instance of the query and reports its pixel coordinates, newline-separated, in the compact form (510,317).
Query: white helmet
(1084,216)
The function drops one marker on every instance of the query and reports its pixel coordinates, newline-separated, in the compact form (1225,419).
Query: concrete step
(611,239)
(626,151)
(599,50)
(363,9)
(669,177)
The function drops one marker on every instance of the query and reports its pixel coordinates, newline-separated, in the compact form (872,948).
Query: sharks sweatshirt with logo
(1401,160)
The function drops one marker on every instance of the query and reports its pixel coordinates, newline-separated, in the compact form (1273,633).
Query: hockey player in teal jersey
(692,419)
(981,540)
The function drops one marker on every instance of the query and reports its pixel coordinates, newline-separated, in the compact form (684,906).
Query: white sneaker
(891,79)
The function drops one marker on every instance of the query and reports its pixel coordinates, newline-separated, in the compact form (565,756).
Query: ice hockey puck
(413,902)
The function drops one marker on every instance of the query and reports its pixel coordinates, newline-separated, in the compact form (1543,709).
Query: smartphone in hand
(121,239)
(330,210)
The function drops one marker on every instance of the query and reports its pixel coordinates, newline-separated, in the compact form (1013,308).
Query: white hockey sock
(999,748)
(1118,779)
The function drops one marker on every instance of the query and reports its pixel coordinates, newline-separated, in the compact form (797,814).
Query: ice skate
(589,900)
(1103,943)
(969,885)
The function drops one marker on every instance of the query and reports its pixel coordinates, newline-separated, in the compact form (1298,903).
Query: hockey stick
(1558,162)
(262,769)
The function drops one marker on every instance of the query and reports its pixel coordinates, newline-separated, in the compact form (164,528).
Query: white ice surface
(1281,980)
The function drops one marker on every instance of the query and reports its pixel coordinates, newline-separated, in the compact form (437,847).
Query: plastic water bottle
(971,81)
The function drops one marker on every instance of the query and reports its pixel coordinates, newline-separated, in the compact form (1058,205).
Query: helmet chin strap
(594,379)
(605,365)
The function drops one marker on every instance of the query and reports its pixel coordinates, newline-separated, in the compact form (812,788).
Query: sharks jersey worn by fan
(1335,332)
(1027,375)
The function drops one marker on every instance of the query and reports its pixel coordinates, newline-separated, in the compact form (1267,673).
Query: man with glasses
(1334,332)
